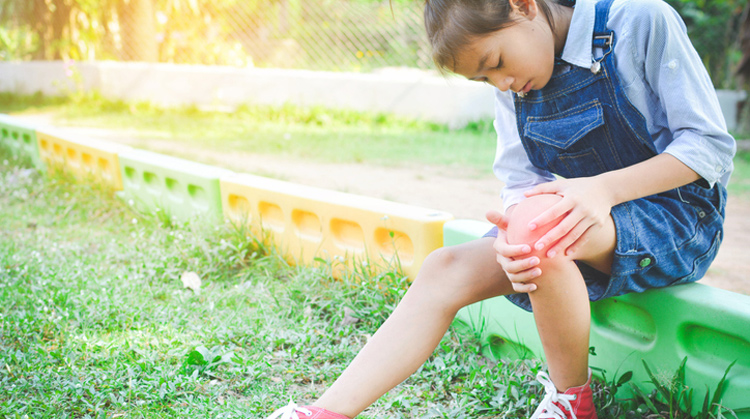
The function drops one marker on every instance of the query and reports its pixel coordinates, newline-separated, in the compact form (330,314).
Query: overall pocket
(564,143)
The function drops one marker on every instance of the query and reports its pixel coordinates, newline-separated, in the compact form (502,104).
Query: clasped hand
(584,208)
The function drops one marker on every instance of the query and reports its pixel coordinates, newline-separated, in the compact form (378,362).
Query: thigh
(465,273)
(599,251)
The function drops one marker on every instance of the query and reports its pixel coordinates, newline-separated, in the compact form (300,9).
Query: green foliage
(673,398)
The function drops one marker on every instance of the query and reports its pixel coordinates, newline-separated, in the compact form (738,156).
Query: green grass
(95,321)
(317,134)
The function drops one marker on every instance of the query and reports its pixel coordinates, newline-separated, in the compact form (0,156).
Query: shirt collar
(578,44)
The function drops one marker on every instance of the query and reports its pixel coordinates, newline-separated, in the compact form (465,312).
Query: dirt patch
(465,195)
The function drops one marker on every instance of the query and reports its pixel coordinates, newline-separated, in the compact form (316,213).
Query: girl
(611,97)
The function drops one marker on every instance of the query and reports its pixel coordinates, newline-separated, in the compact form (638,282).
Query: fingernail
(537,272)
(551,254)
(526,249)
(539,246)
(534,261)
(532,226)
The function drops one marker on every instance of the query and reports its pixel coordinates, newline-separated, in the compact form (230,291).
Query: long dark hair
(452,24)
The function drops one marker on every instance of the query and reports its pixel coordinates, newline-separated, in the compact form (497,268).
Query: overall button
(701,213)
(645,262)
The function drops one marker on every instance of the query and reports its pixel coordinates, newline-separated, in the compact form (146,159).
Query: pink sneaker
(292,411)
(575,403)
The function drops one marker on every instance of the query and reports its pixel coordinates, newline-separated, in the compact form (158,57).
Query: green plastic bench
(709,326)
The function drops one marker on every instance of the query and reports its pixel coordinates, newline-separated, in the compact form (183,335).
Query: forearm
(655,175)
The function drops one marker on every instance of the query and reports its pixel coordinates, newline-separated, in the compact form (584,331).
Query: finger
(557,232)
(524,269)
(523,288)
(578,244)
(542,188)
(551,214)
(511,251)
(496,218)
(564,244)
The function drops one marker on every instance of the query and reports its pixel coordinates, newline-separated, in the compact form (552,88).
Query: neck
(561,16)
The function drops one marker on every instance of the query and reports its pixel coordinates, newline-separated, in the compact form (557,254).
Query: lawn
(316,134)
(96,320)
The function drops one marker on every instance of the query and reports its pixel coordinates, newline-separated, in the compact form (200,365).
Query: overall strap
(604,38)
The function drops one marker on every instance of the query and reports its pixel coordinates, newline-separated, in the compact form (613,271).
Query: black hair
(452,24)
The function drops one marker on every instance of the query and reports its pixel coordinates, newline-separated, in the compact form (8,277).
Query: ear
(526,9)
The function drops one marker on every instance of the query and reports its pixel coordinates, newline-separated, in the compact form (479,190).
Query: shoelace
(289,412)
(548,406)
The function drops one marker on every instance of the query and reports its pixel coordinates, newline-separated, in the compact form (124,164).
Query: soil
(466,195)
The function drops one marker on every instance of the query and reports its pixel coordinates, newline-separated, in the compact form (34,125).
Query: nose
(502,82)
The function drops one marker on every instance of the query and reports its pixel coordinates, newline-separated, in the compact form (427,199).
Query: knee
(518,227)
(440,263)
(440,277)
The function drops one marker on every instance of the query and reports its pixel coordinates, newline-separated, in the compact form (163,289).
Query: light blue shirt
(662,76)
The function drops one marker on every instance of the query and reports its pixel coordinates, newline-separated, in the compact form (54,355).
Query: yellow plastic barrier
(82,157)
(307,223)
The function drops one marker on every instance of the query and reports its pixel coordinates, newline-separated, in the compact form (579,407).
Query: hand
(518,269)
(586,205)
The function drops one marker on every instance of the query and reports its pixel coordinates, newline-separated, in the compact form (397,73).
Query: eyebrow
(482,63)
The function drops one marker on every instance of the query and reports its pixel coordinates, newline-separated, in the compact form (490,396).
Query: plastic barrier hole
(625,323)
(713,346)
(87,161)
(271,216)
(27,139)
(239,208)
(129,174)
(196,192)
(307,225)
(14,134)
(103,165)
(348,235)
(73,158)
(149,178)
(391,243)
(5,133)
(172,184)
(199,197)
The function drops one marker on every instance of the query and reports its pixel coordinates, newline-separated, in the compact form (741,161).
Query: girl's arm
(588,201)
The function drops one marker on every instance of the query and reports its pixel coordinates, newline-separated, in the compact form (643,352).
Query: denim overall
(582,124)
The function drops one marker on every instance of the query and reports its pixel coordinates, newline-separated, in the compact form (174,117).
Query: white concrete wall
(413,93)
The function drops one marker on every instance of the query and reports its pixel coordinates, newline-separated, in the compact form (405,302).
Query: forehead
(477,54)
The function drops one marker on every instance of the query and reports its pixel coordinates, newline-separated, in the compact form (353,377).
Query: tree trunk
(138,30)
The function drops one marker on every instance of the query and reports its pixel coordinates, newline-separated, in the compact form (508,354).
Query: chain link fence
(343,35)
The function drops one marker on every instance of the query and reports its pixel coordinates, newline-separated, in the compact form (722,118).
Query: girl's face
(520,57)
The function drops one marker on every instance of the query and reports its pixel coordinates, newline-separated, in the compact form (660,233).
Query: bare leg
(563,319)
(561,304)
(449,279)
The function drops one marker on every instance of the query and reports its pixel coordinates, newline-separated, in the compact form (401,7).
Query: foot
(574,403)
(292,411)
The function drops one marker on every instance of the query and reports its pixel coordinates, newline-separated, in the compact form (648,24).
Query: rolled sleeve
(694,127)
